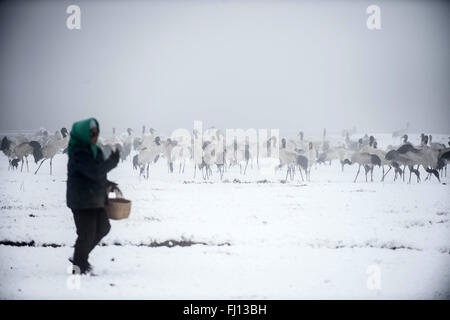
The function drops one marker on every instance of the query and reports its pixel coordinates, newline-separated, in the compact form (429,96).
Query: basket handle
(117,192)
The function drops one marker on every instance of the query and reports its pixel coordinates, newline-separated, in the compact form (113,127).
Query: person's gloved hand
(115,156)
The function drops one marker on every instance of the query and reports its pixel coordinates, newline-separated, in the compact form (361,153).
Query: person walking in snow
(86,189)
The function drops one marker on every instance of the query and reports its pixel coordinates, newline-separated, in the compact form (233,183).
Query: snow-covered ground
(255,238)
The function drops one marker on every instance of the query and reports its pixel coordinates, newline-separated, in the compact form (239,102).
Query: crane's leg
(148,169)
(40,166)
(301,174)
(436,173)
(359,168)
(427,173)
(371,174)
(26,158)
(21,167)
(287,172)
(411,169)
(51,166)
(245,170)
(384,174)
(398,171)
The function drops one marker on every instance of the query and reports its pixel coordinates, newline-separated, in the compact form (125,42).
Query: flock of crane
(293,154)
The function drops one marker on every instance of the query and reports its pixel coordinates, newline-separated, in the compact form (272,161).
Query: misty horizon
(290,65)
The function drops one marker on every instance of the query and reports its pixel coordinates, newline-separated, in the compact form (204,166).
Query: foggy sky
(292,65)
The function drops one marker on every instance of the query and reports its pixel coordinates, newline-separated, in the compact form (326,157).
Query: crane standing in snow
(365,159)
(22,151)
(292,159)
(149,154)
(50,149)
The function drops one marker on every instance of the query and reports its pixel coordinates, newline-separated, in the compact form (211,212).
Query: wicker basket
(118,208)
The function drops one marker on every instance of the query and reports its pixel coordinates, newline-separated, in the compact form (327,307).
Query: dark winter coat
(86,175)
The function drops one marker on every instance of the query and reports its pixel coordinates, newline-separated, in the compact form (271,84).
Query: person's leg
(86,224)
(102,226)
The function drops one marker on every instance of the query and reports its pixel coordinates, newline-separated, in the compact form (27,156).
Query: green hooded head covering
(79,136)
